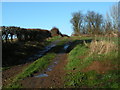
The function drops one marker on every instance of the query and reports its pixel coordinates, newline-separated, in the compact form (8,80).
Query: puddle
(40,53)
(66,46)
(50,68)
(47,70)
(42,75)
(55,62)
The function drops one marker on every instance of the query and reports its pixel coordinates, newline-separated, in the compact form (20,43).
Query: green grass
(53,38)
(92,79)
(74,59)
(63,40)
(36,66)
(80,37)
(78,59)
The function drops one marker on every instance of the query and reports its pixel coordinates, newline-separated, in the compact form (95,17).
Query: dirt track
(54,79)
(8,74)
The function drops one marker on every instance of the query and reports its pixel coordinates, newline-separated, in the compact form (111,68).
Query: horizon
(46,15)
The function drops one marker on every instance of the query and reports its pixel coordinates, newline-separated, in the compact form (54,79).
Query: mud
(8,74)
(53,80)
(100,67)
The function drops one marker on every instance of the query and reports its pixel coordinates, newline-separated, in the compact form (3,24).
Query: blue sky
(46,15)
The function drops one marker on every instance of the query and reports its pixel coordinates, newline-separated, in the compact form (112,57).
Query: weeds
(102,47)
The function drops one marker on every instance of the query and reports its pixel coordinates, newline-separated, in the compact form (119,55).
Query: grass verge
(79,58)
(18,51)
(74,59)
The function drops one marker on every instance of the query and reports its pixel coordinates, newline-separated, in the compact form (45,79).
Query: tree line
(23,34)
(94,23)
(91,23)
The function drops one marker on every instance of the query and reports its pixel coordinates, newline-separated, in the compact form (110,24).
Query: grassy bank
(74,59)
(36,66)
(14,53)
(80,75)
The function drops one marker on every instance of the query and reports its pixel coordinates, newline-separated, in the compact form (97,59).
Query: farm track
(8,74)
(55,76)
(53,80)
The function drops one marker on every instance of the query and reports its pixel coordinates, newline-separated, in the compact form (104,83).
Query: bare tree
(98,21)
(90,19)
(108,23)
(114,15)
(94,21)
(76,20)
(119,17)
(84,26)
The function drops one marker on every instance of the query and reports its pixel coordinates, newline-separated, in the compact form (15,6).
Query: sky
(46,15)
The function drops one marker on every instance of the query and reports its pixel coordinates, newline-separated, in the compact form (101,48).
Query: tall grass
(100,47)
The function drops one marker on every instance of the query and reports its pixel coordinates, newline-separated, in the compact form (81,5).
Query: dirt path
(55,77)
(13,71)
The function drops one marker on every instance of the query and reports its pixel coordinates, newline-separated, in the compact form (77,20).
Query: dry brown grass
(102,47)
